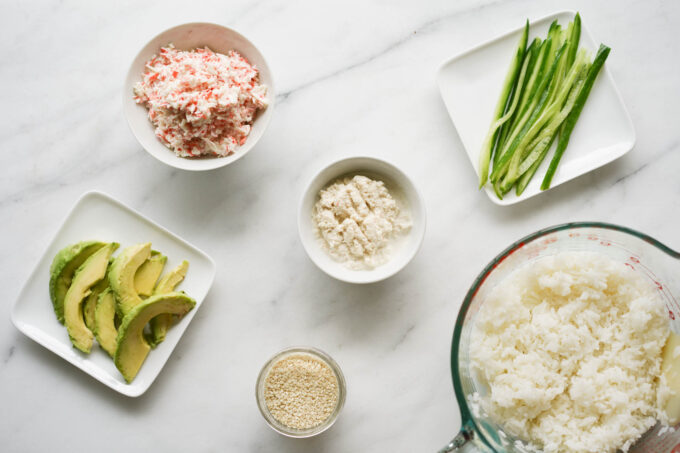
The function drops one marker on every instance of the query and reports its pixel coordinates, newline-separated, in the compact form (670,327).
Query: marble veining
(353,77)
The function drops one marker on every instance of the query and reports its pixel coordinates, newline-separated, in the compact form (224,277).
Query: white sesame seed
(301,391)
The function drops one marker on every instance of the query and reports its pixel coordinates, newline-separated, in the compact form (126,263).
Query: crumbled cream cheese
(570,349)
(357,220)
(201,103)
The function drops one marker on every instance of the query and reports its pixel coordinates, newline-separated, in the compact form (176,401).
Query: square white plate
(98,216)
(470,84)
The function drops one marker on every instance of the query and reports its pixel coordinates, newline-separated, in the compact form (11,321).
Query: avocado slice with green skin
(122,276)
(104,322)
(131,346)
(90,304)
(63,268)
(161,323)
(145,279)
(88,274)
(148,273)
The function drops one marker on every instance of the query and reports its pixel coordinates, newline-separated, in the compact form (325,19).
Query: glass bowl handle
(464,436)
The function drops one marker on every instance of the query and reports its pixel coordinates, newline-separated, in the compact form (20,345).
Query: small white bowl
(187,37)
(396,182)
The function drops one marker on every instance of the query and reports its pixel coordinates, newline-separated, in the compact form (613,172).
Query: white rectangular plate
(98,216)
(470,85)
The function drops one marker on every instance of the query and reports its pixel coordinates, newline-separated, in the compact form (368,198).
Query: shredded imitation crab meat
(201,103)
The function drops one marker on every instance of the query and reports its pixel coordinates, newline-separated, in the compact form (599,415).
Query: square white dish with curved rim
(98,216)
(470,84)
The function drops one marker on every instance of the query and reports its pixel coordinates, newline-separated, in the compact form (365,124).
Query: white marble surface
(354,77)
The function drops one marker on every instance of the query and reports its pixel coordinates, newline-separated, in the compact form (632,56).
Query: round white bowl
(187,37)
(396,181)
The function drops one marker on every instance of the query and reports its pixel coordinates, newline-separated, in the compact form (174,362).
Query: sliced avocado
(88,274)
(64,266)
(148,273)
(122,276)
(90,303)
(173,278)
(161,323)
(131,346)
(104,321)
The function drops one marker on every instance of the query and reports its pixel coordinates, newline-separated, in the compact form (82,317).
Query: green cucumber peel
(508,84)
(515,99)
(552,117)
(528,120)
(574,39)
(521,92)
(542,143)
(537,76)
(570,122)
(524,180)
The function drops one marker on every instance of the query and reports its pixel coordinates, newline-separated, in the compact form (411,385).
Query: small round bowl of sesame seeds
(300,392)
(198,96)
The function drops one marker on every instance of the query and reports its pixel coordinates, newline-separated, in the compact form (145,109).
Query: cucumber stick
(570,122)
(515,98)
(519,94)
(526,177)
(508,85)
(527,120)
(544,92)
(547,134)
(546,116)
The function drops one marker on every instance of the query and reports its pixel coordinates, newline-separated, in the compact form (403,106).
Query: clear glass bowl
(273,422)
(645,255)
